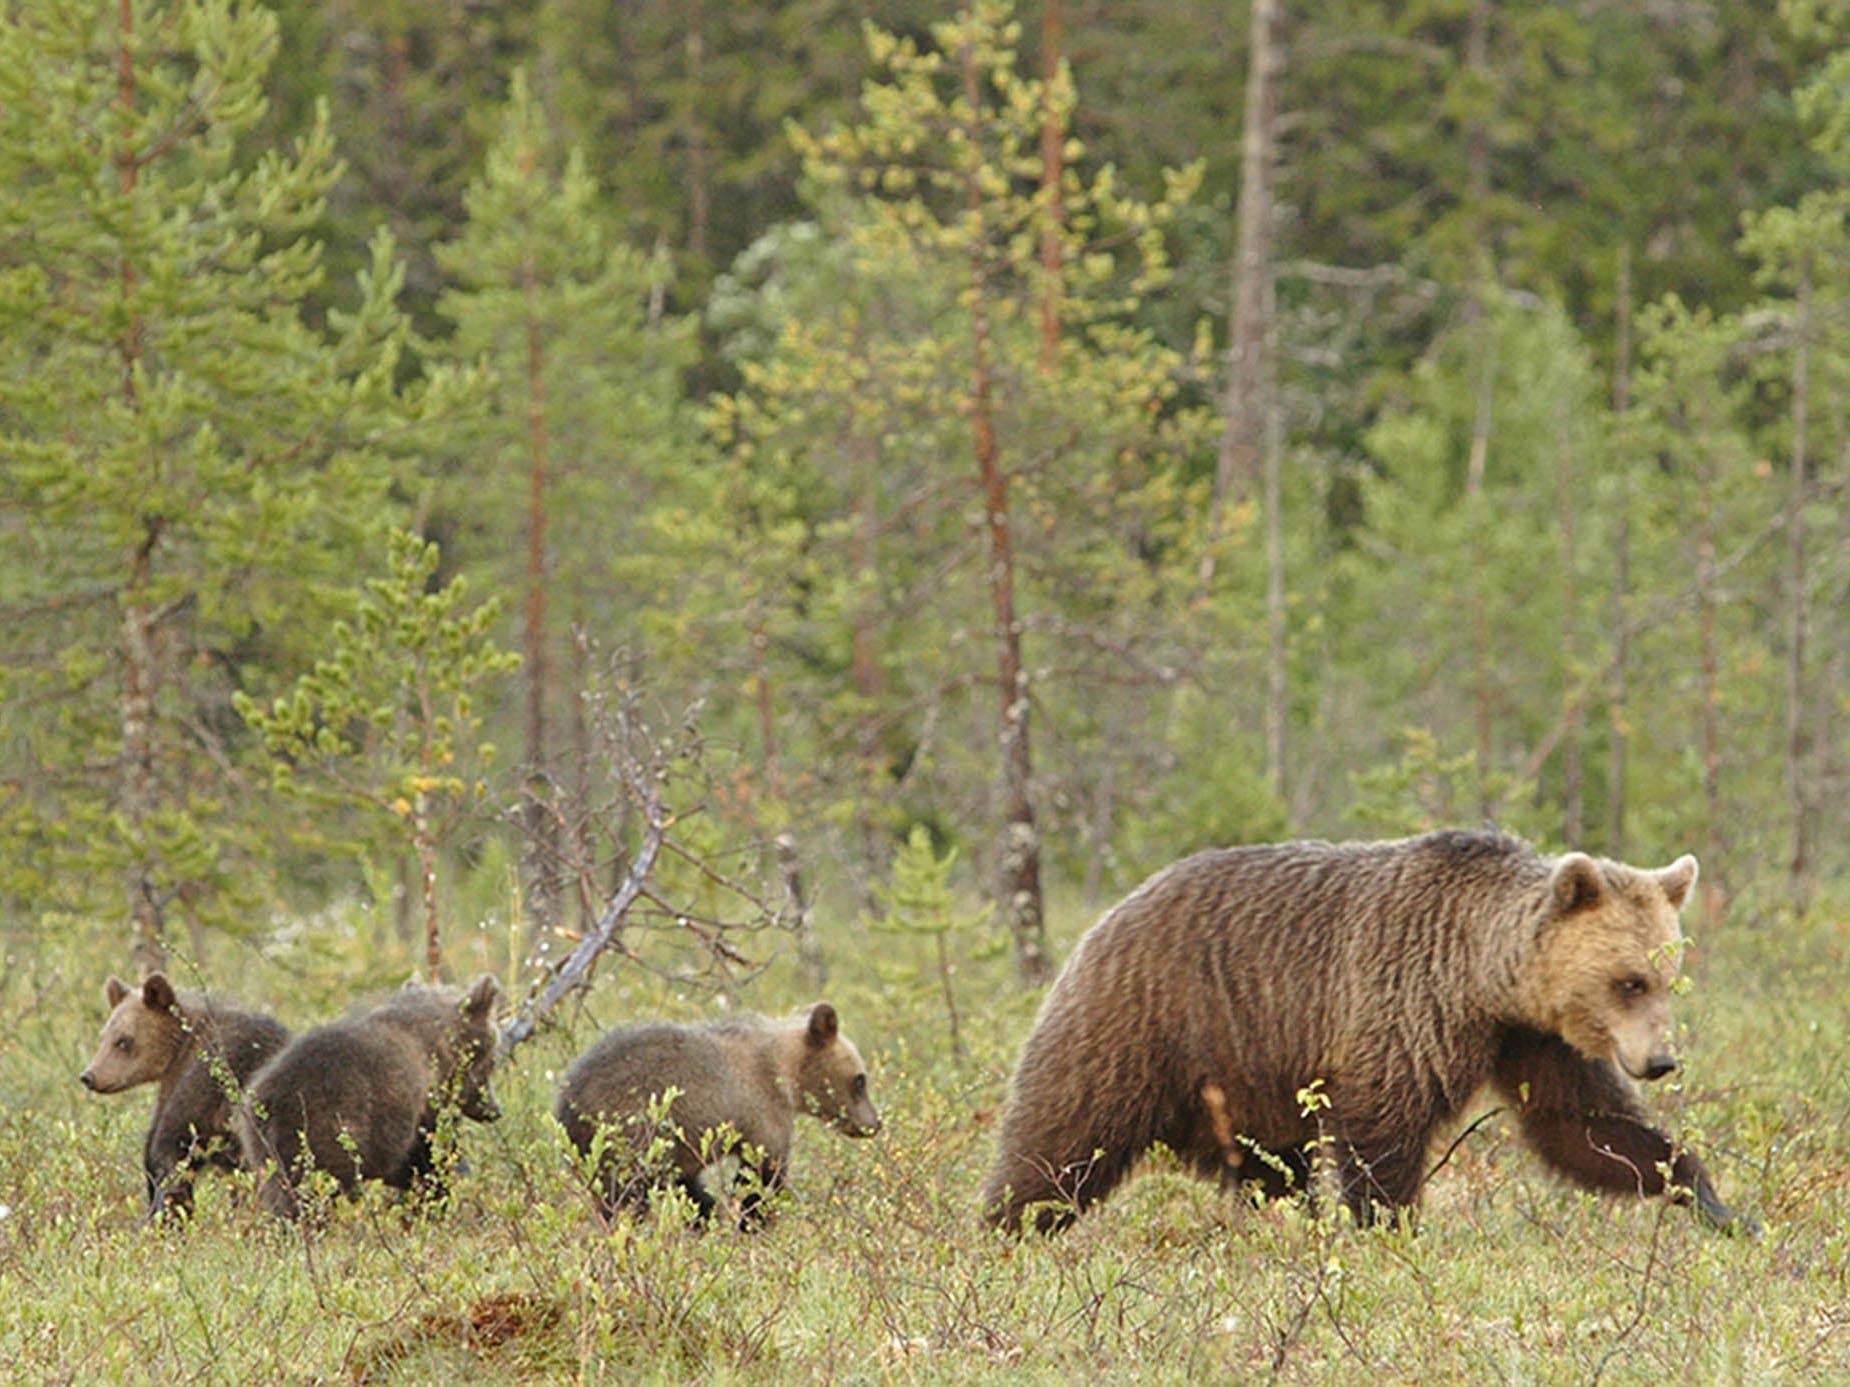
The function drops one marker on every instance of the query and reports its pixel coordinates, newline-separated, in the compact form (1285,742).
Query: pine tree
(386,720)
(1026,493)
(585,432)
(190,466)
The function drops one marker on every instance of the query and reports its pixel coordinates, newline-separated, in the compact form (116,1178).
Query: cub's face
(475,1052)
(1610,949)
(833,1077)
(140,1038)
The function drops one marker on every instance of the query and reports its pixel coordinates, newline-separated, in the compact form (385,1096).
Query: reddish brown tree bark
(1053,171)
(1020,849)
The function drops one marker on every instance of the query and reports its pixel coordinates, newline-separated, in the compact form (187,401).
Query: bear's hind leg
(1584,1120)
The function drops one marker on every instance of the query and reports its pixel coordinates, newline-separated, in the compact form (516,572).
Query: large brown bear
(361,1098)
(743,1073)
(200,1051)
(1396,978)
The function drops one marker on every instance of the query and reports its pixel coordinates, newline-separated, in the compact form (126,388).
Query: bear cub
(744,1074)
(200,1052)
(361,1098)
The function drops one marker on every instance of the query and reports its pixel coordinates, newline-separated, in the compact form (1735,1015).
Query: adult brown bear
(1398,977)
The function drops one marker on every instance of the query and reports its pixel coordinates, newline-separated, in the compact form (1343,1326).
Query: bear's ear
(157,993)
(115,990)
(480,1000)
(824,1025)
(1677,878)
(1576,884)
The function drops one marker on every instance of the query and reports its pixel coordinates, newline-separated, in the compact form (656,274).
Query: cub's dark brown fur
(361,1098)
(200,1051)
(1404,976)
(745,1073)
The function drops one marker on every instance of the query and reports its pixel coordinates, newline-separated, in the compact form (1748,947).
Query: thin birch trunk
(1709,729)
(1618,766)
(1242,439)
(1798,769)
(140,790)
(542,845)
(1567,505)
(1478,330)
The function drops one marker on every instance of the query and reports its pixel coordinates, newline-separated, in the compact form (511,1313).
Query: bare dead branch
(574,970)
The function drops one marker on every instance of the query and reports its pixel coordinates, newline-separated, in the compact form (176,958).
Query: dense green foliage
(839,453)
(784,516)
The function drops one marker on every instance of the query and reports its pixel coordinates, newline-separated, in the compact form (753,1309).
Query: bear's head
(831,1078)
(455,1028)
(474,1054)
(146,1031)
(1608,949)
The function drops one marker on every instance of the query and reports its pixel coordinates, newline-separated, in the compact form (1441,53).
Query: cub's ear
(1677,878)
(157,993)
(115,990)
(1576,884)
(824,1025)
(482,995)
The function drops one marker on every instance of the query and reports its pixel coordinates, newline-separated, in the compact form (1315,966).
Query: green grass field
(875,1268)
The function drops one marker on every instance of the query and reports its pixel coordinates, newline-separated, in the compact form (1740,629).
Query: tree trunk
(1053,171)
(1709,730)
(1020,849)
(584,828)
(427,882)
(699,156)
(1278,669)
(1618,765)
(870,683)
(767,704)
(542,845)
(1242,438)
(809,948)
(140,789)
(1798,771)
(1567,506)
(1478,331)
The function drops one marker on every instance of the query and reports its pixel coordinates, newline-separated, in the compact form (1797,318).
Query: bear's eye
(860,1085)
(1632,987)
(124,1044)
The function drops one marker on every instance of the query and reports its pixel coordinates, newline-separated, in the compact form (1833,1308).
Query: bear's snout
(1659,1065)
(88,1080)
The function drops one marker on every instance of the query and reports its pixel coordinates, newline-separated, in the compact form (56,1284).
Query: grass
(875,1269)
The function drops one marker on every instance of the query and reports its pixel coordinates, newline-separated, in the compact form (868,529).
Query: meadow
(875,1268)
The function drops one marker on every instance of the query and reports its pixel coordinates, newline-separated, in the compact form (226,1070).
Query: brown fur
(199,1051)
(382,1079)
(744,1073)
(1404,975)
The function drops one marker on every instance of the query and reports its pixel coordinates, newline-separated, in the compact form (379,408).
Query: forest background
(920,468)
